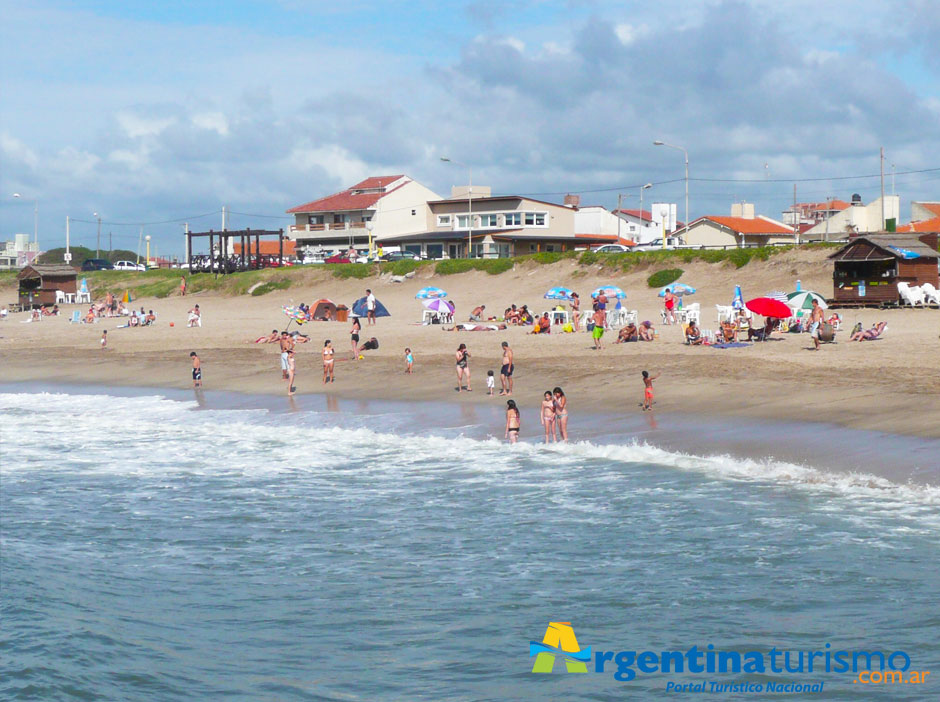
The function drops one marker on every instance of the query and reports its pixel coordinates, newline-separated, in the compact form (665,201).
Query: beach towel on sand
(733,345)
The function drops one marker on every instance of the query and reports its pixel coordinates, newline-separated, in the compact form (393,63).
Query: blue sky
(147,112)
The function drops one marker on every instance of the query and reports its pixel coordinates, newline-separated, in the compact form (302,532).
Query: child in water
(648,390)
(490,382)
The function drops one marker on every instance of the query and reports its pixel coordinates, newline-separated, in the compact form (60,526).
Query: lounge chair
(931,294)
(76,317)
(911,295)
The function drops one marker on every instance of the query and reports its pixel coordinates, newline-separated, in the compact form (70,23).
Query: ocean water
(206,548)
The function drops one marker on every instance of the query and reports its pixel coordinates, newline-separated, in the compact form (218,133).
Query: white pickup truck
(672,242)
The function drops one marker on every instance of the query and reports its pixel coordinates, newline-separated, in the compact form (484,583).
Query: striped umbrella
(439,305)
(430,293)
(803,300)
(559,292)
(778,295)
(610,291)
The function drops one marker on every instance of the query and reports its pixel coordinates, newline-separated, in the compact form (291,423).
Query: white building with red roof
(741,228)
(392,205)
(857,218)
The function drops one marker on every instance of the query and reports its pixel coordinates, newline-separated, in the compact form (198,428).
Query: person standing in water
(505,373)
(547,413)
(561,412)
(104,339)
(463,367)
(512,421)
(291,371)
(648,390)
(197,370)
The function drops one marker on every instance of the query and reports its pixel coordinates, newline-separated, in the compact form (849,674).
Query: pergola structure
(220,243)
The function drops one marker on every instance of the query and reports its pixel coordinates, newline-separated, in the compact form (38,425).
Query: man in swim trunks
(648,390)
(477,314)
(287,344)
(505,373)
(598,318)
(197,370)
(815,321)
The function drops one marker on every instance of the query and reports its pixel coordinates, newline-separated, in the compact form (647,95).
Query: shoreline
(849,453)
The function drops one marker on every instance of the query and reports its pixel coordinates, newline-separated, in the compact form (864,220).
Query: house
(806,215)
(741,228)
(394,205)
(923,211)
(857,218)
(868,269)
(497,227)
(645,225)
(597,220)
(38,284)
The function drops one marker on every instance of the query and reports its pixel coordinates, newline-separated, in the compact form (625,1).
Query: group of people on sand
(632,332)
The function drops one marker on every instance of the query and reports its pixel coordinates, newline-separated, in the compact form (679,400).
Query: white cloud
(16,151)
(214,121)
(628,33)
(135,125)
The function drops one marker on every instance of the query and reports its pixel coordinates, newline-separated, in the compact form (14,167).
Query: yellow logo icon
(559,640)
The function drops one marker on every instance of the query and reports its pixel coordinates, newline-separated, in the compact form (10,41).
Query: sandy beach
(891,385)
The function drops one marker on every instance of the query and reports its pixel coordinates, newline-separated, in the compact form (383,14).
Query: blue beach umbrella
(559,293)
(359,308)
(610,291)
(430,293)
(738,301)
(678,289)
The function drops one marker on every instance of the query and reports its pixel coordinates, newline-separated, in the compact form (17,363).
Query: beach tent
(323,309)
(359,308)
(127,295)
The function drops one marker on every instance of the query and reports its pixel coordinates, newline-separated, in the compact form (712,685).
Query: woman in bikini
(561,412)
(327,361)
(575,310)
(463,369)
(354,337)
(512,421)
(548,415)
(291,371)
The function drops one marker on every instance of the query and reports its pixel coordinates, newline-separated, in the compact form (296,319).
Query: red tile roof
(612,238)
(827,205)
(931,206)
(349,199)
(743,225)
(928,225)
(646,215)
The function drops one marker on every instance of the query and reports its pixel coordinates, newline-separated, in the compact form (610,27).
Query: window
(513,219)
(339,218)
(316,219)
(539,219)
(443,220)
(530,219)
(463,221)
(435,251)
(549,247)
(535,219)
(489,220)
(367,218)
(413,248)
(414,212)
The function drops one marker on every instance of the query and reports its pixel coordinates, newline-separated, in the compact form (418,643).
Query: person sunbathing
(647,332)
(628,333)
(729,333)
(271,338)
(370,345)
(693,335)
(869,334)
(90,317)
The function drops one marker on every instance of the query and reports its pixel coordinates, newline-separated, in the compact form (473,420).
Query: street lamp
(370,226)
(98,244)
(645,187)
(35,219)
(671,146)
(147,262)
(469,202)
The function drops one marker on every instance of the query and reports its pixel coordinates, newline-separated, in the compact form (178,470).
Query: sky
(154,114)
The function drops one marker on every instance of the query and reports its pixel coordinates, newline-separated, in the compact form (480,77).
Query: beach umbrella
(767,307)
(84,287)
(804,300)
(677,289)
(439,305)
(359,308)
(778,295)
(430,292)
(295,313)
(559,292)
(609,291)
(738,301)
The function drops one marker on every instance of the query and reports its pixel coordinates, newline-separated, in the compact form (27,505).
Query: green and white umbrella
(803,300)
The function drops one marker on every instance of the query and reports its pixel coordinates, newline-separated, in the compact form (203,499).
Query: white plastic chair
(81,297)
(559,316)
(931,294)
(60,297)
(911,295)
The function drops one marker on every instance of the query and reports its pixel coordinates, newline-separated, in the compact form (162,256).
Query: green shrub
(544,257)
(664,277)
(271,286)
(402,267)
(350,270)
(493,266)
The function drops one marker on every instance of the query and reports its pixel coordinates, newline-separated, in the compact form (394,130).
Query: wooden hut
(39,283)
(868,269)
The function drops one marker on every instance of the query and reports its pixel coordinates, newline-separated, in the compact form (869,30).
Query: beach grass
(664,277)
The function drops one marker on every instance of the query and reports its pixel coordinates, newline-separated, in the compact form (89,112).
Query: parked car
(338,258)
(612,248)
(672,242)
(97,264)
(400,256)
(129,266)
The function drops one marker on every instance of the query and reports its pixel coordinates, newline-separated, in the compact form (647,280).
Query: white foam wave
(152,433)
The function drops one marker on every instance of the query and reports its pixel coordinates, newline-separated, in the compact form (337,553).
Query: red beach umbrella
(768,307)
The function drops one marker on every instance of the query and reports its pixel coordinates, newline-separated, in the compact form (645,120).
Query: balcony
(332,227)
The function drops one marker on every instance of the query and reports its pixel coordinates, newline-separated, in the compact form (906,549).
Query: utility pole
(98,243)
(882,159)
(796,225)
(68,254)
(110,249)
(619,214)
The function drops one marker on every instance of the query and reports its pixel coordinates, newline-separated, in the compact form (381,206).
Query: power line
(146,224)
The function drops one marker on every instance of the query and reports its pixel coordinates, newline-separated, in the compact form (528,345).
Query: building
(394,205)
(806,215)
(500,226)
(18,253)
(43,284)
(741,228)
(645,225)
(867,270)
(923,211)
(855,219)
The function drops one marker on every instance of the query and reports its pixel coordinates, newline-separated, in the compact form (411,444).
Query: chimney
(572,200)
(745,210)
